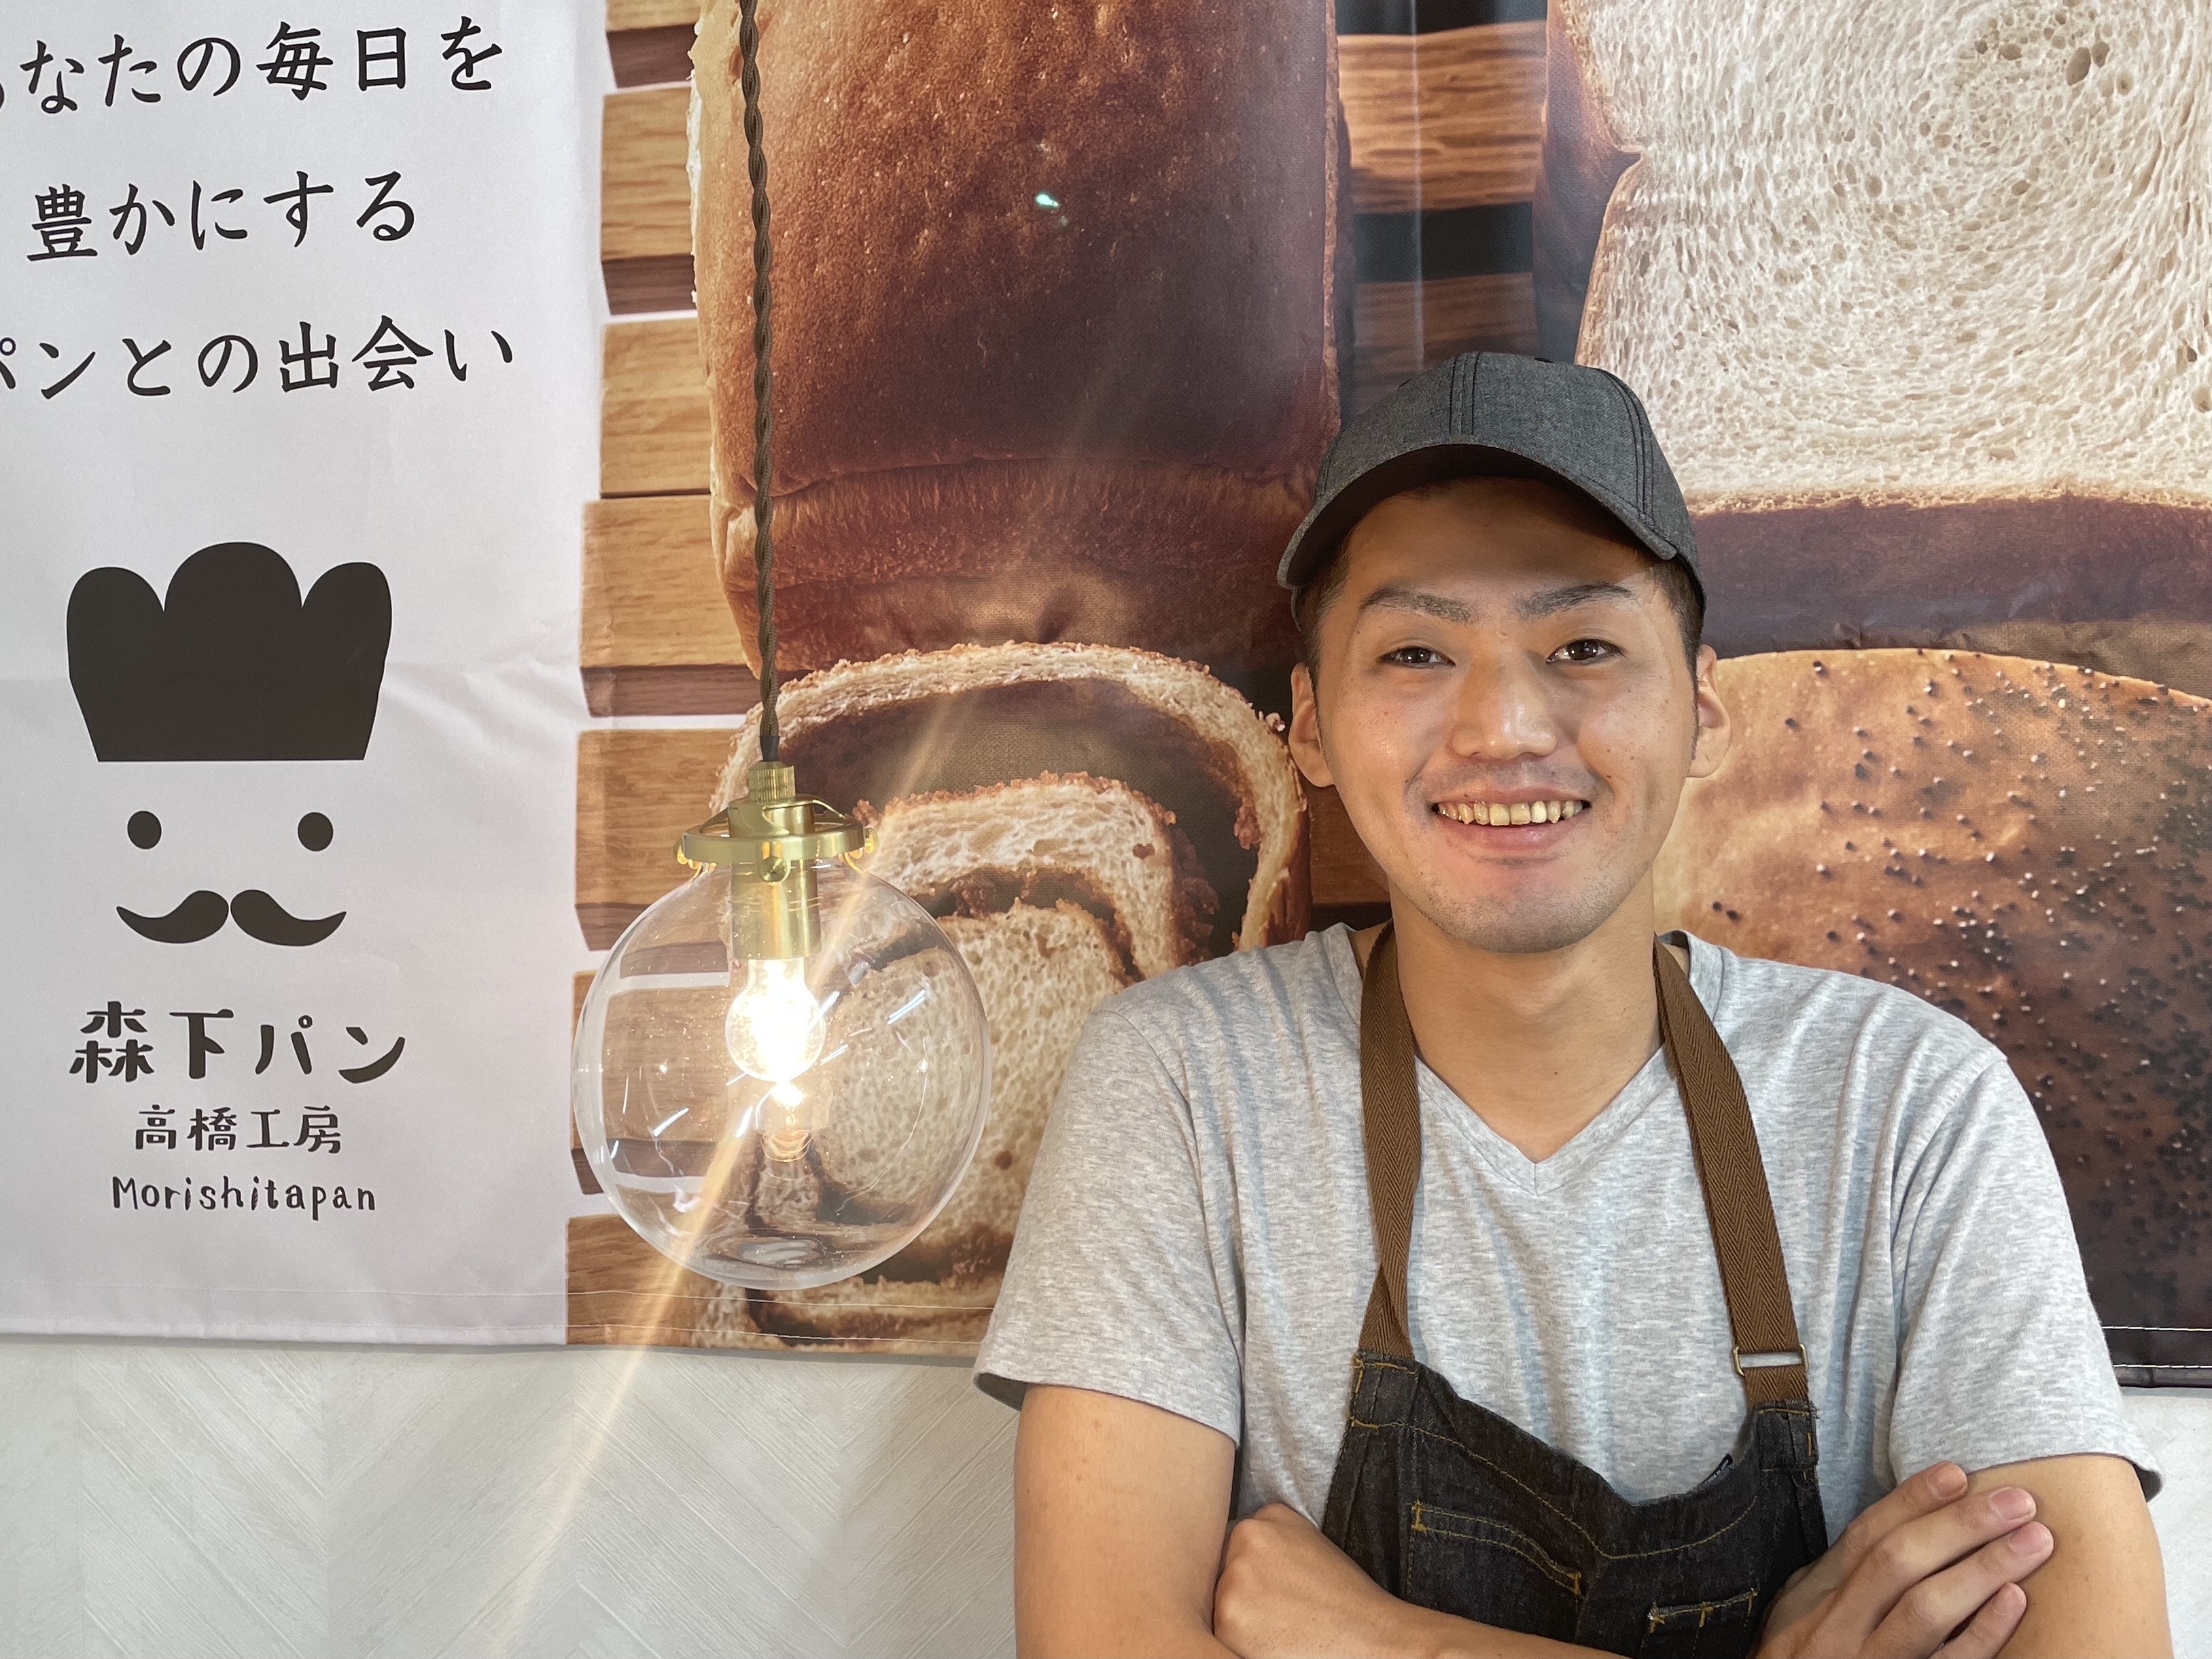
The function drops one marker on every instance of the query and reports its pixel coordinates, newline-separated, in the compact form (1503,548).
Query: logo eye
(144,829)
(314,832)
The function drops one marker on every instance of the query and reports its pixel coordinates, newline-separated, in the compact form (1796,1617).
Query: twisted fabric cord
(763,549)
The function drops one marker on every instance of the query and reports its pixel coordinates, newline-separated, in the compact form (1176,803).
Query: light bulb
(777,1117)
(775,1026)
(787,1123)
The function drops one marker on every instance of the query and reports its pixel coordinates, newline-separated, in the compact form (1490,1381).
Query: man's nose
(1504,712)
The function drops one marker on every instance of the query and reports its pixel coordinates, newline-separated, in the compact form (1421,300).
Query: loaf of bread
(2028,845)
(1055,343)
(1915,294)
(921,723)
(1077,818)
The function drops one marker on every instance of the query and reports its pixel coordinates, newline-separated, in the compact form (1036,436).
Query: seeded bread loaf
(2029,847)
(1916,297)
(1055,352)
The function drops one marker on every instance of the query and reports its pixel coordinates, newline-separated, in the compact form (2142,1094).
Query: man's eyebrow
(1549,603)
(1395,597)
(1552,601)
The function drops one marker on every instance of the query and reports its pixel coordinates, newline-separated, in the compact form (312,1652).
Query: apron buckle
(1767,1359)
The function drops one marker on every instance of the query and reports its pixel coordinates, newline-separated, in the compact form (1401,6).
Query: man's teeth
(1521,811)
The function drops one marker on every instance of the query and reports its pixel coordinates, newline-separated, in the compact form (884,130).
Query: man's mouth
(1503,814)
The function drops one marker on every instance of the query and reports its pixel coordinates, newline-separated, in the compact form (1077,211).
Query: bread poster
(1069,305)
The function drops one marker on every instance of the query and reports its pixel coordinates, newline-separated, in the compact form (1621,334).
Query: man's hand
(1938,1567)
(1287,1591)
(1913,1569)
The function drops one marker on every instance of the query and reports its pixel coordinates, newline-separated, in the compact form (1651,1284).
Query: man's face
(1496,649)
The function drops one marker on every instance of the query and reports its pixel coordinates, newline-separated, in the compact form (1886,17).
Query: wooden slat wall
(653,417)
(637,792)
(624,15)
(1404,327)
(645,193)
(658,639)
(1479,94)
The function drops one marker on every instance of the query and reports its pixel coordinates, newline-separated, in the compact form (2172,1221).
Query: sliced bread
(1915,295)
(1092,841)
(1041,972)
(971,717)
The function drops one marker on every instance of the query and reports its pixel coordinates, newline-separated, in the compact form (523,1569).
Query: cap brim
(1333,516)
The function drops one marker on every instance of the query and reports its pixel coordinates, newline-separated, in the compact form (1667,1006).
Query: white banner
(298,344)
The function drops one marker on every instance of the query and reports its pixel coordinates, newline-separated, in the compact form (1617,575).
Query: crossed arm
(1121,1510)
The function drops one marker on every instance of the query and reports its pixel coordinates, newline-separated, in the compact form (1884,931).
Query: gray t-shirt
(1196,1236)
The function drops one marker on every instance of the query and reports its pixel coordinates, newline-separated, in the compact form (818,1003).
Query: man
(1544,1342)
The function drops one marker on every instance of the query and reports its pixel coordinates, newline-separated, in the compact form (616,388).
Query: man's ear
(1715,731)
(1305,735)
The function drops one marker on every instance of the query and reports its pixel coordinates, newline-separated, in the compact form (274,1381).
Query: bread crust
(1087,252)
(1580,164)
(2026,845)
(1912,567)
(1092,552)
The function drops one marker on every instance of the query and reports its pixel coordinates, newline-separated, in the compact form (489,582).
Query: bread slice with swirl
(1092,841)
(950,722)
(1079,817)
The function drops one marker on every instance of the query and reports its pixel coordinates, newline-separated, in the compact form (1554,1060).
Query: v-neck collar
(1443,1104)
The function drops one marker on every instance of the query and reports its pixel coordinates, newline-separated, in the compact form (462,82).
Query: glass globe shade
(781,1123)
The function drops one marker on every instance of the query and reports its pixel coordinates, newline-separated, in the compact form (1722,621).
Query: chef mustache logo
(234,666)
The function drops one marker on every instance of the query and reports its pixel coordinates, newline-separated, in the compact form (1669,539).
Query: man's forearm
(1429,1635)
(1285,1590)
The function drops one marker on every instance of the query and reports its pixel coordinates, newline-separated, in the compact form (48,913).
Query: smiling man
(1503,1279)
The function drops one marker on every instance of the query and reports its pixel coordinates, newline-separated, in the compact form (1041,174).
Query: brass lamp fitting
(771,838)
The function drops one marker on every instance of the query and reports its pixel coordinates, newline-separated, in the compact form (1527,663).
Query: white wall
(189,1499)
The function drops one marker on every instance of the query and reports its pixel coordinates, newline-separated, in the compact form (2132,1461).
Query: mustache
(202,914)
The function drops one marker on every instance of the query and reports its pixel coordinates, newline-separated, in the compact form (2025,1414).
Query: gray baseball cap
(1491,413)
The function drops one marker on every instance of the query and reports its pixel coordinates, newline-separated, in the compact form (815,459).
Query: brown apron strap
(1738,1207)
(1390,1109)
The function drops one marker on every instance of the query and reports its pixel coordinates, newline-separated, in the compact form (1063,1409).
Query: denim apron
(1450,1506)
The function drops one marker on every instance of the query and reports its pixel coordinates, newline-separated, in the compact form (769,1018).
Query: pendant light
(782,1069)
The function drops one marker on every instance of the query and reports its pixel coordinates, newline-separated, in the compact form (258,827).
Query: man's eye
(1584,650)
(1414,656)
